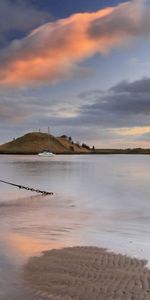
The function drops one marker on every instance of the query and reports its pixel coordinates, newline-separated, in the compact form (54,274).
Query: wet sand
(87,273)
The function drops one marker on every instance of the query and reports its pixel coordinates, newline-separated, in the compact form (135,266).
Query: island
(36,142)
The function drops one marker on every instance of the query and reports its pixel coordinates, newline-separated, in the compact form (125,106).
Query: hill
(35,142)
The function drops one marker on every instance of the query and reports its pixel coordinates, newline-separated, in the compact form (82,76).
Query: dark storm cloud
(19,16)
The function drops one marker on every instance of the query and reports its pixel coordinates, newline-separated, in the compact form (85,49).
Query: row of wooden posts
(28,188)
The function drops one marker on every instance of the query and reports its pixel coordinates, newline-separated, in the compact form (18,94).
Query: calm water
(99,200)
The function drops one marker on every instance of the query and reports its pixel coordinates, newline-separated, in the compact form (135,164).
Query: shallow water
(99,200)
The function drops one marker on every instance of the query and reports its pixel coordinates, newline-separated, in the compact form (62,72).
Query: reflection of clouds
(35,224)
(27,245)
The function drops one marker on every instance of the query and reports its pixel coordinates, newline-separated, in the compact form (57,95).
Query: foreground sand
(88,273)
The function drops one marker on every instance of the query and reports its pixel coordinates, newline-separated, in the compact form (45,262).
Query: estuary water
(100,200)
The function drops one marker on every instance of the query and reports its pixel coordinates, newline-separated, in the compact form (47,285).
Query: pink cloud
(52,51)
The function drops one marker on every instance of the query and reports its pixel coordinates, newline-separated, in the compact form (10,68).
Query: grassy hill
(35,142)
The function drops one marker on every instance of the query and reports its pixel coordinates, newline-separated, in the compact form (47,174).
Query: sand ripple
(88,273)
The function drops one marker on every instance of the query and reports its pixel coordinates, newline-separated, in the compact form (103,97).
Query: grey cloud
(22,105)
(126,104)
(138,86)
(19,16)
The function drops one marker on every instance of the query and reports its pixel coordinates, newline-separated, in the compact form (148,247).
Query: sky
(80,67)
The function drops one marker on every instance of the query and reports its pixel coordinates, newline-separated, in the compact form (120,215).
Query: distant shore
(88,273)
(35,142)
(136,151)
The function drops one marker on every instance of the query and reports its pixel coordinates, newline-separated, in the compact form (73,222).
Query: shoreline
(88,273)
(83,153)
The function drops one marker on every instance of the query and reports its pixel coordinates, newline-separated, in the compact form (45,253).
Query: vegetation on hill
(35,142)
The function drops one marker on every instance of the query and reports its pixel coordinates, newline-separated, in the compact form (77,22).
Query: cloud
(19,16)
(125,21)
(114,117)
(24,106)
(52,51)
(138,86)
(126,104)
(144,137)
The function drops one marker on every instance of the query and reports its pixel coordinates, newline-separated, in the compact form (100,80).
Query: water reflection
(30,225)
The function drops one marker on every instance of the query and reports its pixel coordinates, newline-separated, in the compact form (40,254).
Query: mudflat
(88,273)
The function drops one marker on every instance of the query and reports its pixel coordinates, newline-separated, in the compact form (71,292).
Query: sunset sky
(81,67)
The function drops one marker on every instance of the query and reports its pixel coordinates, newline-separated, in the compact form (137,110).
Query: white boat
(46,154)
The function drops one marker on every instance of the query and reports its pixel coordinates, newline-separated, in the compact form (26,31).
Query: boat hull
(46,154)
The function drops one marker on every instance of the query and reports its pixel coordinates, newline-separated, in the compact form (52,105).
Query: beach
(88,273)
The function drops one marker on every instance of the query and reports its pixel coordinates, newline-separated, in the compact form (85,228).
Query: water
(99,200)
